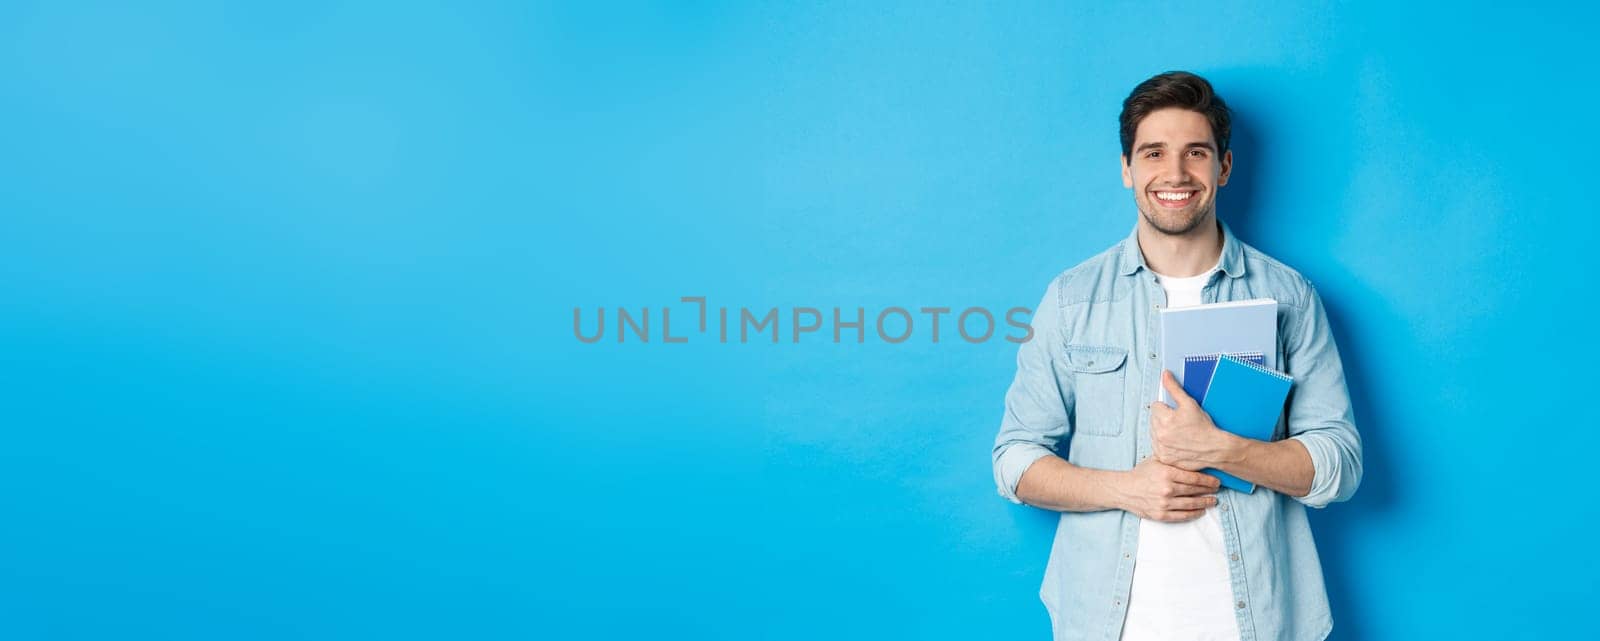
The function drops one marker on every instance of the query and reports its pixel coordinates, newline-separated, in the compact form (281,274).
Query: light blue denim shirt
(1082,391)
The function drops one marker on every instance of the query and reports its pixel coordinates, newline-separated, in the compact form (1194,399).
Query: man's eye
(1153,155)
(1197,153)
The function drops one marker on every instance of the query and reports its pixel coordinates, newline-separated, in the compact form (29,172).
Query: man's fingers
(1171,383)
(1191,502)
(1196,478)
(1185,489)
(1179,516)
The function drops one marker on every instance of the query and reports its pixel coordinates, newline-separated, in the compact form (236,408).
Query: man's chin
(1177,223)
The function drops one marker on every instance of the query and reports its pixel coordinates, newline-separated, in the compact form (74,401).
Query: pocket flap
(1095,359)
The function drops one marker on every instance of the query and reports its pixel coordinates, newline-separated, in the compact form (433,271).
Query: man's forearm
(1054,484)
(1284,466)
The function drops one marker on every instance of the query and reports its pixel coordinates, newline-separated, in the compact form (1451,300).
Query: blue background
(286,299)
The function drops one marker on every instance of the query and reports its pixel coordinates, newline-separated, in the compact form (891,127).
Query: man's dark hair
(1175,89)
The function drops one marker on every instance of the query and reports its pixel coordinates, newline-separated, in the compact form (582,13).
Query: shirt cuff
(1328,471)
(1012,463)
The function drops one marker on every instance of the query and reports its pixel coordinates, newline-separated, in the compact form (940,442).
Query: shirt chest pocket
(1097,388)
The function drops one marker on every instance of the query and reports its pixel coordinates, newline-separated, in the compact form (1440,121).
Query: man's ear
(1127,178)
(1227,167)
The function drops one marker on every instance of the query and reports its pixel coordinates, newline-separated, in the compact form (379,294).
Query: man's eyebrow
(1203,144)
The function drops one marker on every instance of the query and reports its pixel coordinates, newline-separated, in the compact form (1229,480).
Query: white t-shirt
(1181,589)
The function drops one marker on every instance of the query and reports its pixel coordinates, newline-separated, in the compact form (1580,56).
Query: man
(1147,547)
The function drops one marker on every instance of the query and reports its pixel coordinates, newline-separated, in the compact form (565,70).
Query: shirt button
(1224,507)
(1233,557)
(1240,604)
(1152,356)
(1119,601)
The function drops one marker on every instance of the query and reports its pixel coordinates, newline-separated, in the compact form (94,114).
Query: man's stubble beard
(1176,227)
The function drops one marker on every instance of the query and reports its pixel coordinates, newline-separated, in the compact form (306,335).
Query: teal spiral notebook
(1246,399)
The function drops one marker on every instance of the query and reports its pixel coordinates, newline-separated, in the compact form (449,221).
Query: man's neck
(1190,254)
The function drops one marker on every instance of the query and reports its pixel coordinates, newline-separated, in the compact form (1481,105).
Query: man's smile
(1175,198)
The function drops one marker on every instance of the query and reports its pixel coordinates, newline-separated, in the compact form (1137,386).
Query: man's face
(1175,170)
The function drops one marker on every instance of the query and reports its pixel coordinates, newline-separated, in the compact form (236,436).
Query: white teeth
(1173,195)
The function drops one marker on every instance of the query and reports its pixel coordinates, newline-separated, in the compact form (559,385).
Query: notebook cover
(1218,328)
(1197,371)
(1246,399)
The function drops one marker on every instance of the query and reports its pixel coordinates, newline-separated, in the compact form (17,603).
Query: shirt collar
(1232,261)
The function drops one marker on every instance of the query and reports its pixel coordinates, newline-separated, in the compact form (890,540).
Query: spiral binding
(1211,357)
(1260,368)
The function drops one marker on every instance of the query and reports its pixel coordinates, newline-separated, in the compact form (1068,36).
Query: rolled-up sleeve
(1036,411)
(1320,415)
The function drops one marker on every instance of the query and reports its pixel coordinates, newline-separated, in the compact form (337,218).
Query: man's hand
(1157,491)
(1185,437)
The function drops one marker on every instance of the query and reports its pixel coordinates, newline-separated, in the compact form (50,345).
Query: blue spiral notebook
(1246,399)
(1197,371)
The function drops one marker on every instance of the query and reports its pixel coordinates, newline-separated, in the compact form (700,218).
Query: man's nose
(1172,169)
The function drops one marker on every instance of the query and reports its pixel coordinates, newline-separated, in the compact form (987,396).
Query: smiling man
(1147,547)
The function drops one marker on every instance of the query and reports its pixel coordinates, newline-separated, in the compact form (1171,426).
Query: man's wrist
(1231,450)
(1111,483)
